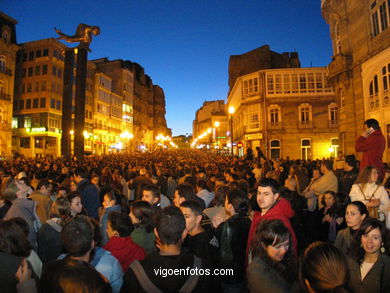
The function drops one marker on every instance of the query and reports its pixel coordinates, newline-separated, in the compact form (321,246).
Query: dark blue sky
(184,45)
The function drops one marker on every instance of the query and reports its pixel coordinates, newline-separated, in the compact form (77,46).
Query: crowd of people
(193,221)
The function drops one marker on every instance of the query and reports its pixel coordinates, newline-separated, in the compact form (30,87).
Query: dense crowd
(193,221)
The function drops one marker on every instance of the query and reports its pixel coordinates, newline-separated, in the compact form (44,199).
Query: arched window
(305,114)
(386,84)
(373,94)
(274,114)
(332,114)
(275,148)
(3,63)
(337,37)
(305,148)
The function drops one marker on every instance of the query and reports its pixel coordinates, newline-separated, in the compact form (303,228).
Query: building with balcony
(360,67)
(211,126)
(8,50)
(289,112)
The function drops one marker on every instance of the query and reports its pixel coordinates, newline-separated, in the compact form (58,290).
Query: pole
(231,133)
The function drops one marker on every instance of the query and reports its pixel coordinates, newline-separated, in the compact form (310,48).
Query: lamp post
(231,112)
(216,124)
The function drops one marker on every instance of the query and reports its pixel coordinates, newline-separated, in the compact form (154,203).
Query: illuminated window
(306,149)
(305,113)
(253,116)
(379,15)
(386,84)
(373,100)
(275,148)
(251,87)
(332,113)
(274,114)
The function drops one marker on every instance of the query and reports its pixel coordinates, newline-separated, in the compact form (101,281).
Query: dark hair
(328,164)
(366,227)
(97,234)
(202,184)
(243,185)
(170,225)
(115,195)
(269,182)
(190,180)
(186,191)
(239,200)
(221,179)
(81,172)
(152,188)
(273,232)
(60,208)
(121,223)
(13,240)
(332,193)
(325,268)
(372,123)
(220,196)
(193,206)
(43,182)
(361,207)
(70,196)
(143,212)
(77,235)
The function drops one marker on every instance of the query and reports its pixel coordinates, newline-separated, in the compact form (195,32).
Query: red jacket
(125,250)
(283,211)
(372,147)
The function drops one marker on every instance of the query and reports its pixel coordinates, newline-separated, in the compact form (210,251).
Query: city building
(289,112)
(210,127)
(8,50)
(360,67)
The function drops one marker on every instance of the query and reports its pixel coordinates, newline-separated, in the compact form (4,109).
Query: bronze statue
(83,35)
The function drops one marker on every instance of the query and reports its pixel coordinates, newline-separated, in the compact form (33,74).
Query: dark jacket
(377,279)
(262,278)
(348,180)
(239,229)
(89,197)
(137,185)
(9,266)
(49,240)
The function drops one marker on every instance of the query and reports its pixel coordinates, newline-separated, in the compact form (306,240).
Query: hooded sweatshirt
(281,210)
(125,250)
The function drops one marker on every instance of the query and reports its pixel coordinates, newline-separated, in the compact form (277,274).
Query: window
(28,104)
(302,82)
(31,56)
(46,52)
(37,70)
(52,103)
(379,15)
(25,142)
(21,104)
(43,103)
(253,116)
(305,113)
(35,103)
(37,86)
(278,84)
(58,105)
(274,115)
(44,69)
(338,39)
(275,148)
(373,101)
(286,83)
(251,87)
(334,146)
(29,87)
(270,84)
(386,85)
(294,83)
(54,70)
(38,142)
(38,53)
(3,63)
(306,149)
(332,114)
(319,81)
(30,71)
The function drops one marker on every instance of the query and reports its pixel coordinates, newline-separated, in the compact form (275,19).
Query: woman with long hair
(273,268)
(76,207)
(369,265)
(368,190)
(355,213)
(141,217)
(324,269)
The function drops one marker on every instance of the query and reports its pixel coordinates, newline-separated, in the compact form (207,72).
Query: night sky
(183,45)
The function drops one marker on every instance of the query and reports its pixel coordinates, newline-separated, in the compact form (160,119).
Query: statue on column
(83,35)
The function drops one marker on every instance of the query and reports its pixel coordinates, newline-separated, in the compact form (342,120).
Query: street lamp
(231,112)
(216,124)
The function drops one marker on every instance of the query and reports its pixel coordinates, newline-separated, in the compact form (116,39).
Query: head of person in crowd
(372,123)
(193,215)
(350,162)
(220,196)
(291,184)
(201,185)
(329,199)
(316,173)
(45,187)
(229,176)
(141,215)
(355,213)
(119,225)
(61,208)
(236,202)
(13,237)
(143,172)
(170,230)
(243,185)
(16,189)
(95,179)
(272,242)
(369,174)
(79,175)
(267,194)
(324,269)
(72,186)
(76,206)
(151,194)
(220,180)
(183,192)
(62,191)
(326,166)
(372,239)
(112,198)
(272,174)
(190,180)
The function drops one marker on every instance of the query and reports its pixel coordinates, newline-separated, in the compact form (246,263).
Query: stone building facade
(360,69)
(8,50)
